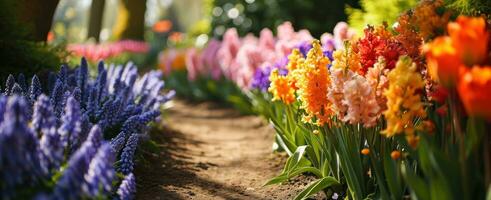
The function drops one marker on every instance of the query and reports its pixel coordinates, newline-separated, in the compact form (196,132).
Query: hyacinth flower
(71,123)
(126,161)
(127,189)
(21,80)
(20,160)
(57,97)
(101,172)
(70,116)
(17,90)
(35,89)
(9,84)
(71,182)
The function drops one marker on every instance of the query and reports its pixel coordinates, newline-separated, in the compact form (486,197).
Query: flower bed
(398,112)
(75,137)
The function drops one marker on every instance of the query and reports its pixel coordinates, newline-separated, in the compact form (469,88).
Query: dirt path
(210,152)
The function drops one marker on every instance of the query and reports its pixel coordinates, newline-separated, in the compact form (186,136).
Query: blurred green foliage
(318,16)
(375,12)
(470,7)
(17,52)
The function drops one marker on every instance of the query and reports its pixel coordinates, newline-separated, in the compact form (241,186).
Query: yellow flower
(294,60)
(346,59)
(403,101)
(313,81)
(281,87)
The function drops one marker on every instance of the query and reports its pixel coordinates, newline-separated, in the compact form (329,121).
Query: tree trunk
(131,19)
(38,15)
(95,19)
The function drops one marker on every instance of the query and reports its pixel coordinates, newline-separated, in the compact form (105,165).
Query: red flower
(475,91)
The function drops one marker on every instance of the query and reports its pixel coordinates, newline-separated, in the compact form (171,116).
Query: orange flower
(443,61)
(475,91)
(162,26)
(365,151)
(313,81)
(281,88)
(395,155)
(469,35)
(176,37)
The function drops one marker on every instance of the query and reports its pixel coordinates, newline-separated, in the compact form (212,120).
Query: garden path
(210,152)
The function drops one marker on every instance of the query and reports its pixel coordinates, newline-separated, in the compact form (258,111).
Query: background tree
(318,16)
(95,19)
(23,35)
(130,20)
(37,15)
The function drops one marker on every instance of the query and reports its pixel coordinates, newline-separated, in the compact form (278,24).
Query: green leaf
(285,176)
(316,186)
(419,187)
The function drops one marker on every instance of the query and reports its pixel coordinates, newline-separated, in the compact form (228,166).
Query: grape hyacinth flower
(71,123)
(69,186)
(71,182)
(101,172)
(126,161)
(35,89)
(9,84)
(20,160)
(127,189)
(57,97)
(17,90)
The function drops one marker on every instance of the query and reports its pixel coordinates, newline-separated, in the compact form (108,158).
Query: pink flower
(209,59)
(360,100)
(266,39)
(342,32)
(336,89)
(194,66)
(249,58)
(377,78)
(286,31)
(227,53)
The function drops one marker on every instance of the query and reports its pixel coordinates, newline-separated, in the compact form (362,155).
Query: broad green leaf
(284,176)
(316,186)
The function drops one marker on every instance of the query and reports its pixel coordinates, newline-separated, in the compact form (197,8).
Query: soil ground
(206,151)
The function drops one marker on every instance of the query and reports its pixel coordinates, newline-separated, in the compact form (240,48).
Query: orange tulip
(469,35)
(162,26)
(443,61)
(475,91)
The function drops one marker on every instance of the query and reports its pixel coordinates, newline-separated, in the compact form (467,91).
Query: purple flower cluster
(81,131)
(260,79)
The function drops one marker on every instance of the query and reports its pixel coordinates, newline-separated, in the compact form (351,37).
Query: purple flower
(51,147)
(63,74)
(43,117)
(83,74)
(20,160)
(126,161)
(57,98)
(9,84)
(69,186)
(260,79)
(3,107)
(17,90)
(304,47)
(35,89)
(118,142)
(21,80)
(127,189)
(101,172)
(71,123)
